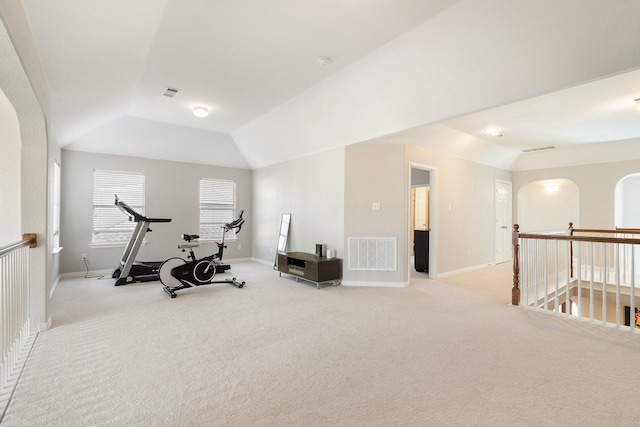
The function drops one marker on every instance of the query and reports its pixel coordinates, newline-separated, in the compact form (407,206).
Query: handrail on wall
(28,239)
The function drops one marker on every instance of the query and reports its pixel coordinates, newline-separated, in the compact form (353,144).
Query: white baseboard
(45,326)
(90,274)
(463,270)
(375,284)
(261,261)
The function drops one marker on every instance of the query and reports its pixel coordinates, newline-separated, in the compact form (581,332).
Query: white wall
(172,191)
(53,240)
(33,173)
(311,189)
(9,173)
(628,202)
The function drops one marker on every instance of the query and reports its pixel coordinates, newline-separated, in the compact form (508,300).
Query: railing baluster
(617,281)
(14,314)
(604,283)
(579,267)
(632,292)
(545,275)
(591,286)
(567,298)
(606,258)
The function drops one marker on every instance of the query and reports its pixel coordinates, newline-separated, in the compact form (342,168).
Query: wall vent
(531,150)
(170,92)
(373,253)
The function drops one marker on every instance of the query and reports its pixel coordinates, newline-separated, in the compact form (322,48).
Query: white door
(421,208)
(503,221)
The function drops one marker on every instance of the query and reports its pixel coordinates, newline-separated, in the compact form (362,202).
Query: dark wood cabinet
(310,267)
(421,250)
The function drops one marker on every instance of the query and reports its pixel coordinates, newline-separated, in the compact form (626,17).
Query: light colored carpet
(281,353)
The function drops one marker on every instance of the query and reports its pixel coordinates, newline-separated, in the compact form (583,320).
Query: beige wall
(596,184)
(311,189)
(540,209)
(376,173)
(464,204)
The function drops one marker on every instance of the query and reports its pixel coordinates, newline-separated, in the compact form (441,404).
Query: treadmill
(129,270)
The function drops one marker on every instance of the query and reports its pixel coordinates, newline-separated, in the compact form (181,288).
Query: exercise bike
(177,273)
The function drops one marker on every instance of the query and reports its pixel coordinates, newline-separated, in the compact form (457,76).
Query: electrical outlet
(239,247)
(83,257)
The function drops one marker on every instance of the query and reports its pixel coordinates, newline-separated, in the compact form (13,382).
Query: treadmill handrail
(135,216)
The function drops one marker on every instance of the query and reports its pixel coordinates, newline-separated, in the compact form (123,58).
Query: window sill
(110,245)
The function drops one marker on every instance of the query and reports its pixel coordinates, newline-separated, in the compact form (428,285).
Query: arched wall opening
(548,204)
(627,202)
(32,164)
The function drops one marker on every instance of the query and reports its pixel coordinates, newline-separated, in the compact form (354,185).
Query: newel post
(571,248)
(32,238)
(515,241)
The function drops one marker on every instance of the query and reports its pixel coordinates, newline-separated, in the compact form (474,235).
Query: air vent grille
(170,92)
(531,150)
(372,253)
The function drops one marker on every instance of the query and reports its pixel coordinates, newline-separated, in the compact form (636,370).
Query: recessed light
(493,131)
(200,111)
(325,60)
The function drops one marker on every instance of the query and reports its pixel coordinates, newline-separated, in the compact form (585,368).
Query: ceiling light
(325,60)
(200,111)
(493,131)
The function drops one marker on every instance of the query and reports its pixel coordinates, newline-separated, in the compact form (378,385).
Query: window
(217,207)
(110,225)
(55,214)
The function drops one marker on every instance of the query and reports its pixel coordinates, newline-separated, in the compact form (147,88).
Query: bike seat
(190,237)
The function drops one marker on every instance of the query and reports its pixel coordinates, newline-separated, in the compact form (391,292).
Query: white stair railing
(582,273)
(15,337)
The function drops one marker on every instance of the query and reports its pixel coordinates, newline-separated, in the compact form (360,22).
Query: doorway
(504,205)
(422,220)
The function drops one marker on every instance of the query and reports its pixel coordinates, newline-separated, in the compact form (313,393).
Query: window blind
(110,225)
(217,207)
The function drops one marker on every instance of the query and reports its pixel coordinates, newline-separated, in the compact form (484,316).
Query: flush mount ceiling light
(200,111)
(324,60)
(493,131)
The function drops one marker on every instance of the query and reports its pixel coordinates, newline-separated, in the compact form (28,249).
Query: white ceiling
(239,58)
(586,121)
(409,71)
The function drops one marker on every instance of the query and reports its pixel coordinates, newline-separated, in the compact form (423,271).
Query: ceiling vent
(170,92)
(532,150)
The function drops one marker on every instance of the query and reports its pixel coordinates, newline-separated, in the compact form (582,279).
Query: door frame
(433,219)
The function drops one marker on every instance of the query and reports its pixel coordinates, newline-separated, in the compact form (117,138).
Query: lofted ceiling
(401,71)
